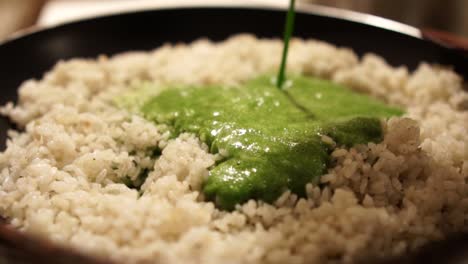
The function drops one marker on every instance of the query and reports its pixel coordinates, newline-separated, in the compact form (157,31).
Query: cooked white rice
(61,177)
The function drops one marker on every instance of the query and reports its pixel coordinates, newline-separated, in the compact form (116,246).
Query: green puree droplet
(272,136)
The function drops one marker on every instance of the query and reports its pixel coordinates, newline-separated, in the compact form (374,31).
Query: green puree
(272,137)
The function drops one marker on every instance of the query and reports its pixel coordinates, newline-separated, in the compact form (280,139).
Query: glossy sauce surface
(271,139)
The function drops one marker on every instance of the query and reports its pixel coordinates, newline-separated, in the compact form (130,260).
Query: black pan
(30,55)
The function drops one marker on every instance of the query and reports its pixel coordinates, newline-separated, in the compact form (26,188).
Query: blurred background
(446,15)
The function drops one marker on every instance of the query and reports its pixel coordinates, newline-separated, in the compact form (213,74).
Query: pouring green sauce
(271,138)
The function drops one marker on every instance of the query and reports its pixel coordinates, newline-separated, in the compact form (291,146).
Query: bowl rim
(304,8)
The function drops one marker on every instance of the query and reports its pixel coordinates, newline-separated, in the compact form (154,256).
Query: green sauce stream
(287,35)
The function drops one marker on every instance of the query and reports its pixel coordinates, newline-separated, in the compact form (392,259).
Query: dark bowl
(30,55)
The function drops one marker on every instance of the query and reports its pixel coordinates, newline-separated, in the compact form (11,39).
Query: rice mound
(61,176)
